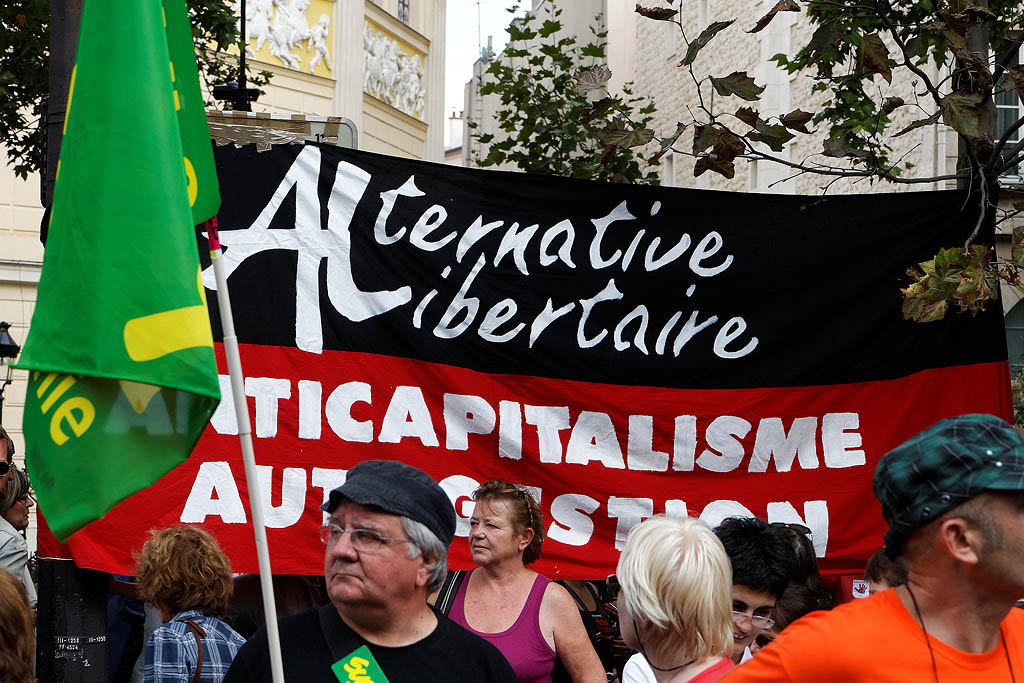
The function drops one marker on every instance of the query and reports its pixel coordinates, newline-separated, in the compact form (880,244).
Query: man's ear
(961,540)
(423,573)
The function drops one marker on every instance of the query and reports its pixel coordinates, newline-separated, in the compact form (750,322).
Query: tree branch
(997,150)
(845,173)
(891,28)
(1014,161)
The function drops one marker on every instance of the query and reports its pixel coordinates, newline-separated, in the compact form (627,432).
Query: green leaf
(1017,245)
(797,120)
(666,143)
(705,36)
(549,27)
(945,260)
(919,123)
(738,83)
(961,111)
(781,6)
(825,38)
(591,78)
(933,312)
(657,13)
(917,47)
(873,57)
(775,136)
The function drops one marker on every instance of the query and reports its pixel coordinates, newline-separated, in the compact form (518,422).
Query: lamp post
(8,351)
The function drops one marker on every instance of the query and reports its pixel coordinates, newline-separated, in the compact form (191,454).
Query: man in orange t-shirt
(954,499)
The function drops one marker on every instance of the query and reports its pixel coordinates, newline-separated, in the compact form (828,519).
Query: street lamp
(9,351)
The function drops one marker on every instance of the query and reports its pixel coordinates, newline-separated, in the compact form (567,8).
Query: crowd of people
(741,602)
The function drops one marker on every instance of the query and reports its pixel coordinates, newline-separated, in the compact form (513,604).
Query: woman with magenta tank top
(525,615)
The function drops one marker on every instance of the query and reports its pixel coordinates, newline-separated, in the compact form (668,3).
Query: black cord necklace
(640,642)
(928,641)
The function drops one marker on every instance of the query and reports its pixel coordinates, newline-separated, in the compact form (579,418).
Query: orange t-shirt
(877,640)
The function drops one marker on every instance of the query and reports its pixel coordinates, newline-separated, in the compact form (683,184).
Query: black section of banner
(803,290)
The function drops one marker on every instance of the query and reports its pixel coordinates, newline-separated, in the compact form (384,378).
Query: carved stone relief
(282,24)
(391,75)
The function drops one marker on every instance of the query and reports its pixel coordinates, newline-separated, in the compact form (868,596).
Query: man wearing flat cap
(387,541)
(954,499)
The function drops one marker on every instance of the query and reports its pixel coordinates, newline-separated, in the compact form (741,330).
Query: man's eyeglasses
(363,540)
(756,621)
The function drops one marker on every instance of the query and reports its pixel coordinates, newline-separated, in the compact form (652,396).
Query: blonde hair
(183,568)
(16,632)
(525,512)
(676,576)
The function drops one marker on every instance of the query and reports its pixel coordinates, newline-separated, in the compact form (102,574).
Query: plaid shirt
(171,652)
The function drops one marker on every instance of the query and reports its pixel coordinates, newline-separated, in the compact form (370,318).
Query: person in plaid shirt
(953,496)
(184,574)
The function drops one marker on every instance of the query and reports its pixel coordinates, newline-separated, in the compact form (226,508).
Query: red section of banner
(603,456)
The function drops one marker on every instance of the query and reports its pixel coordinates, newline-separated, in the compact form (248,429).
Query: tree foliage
(25,80)
(948,58)
(856,44)
(556,115)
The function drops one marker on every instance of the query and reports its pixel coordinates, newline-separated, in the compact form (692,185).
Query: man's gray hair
(422,541)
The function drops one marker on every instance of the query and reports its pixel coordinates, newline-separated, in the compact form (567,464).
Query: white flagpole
(245,436)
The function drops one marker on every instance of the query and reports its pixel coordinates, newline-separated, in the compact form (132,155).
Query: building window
(1014,322)
(1009,110)
(703,13)
(403,11)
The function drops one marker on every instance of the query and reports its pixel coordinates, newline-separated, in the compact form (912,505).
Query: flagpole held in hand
(245,436)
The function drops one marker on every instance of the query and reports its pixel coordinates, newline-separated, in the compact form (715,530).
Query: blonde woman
(675,603)
(185,575)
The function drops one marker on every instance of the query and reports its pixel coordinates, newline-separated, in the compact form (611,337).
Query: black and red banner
(623,350)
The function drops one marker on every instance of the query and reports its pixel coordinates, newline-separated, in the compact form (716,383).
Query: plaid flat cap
(943,466)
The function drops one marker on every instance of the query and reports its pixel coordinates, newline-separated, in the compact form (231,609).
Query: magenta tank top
(523,643)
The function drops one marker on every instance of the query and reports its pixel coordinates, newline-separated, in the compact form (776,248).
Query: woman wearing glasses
(675,602)
(525,615)
(15,503)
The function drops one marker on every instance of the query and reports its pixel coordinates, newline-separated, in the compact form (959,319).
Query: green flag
(203,191)
(123,374)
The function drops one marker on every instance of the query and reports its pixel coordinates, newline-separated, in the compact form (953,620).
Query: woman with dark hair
(15,503)
(185,575)
(531,619)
